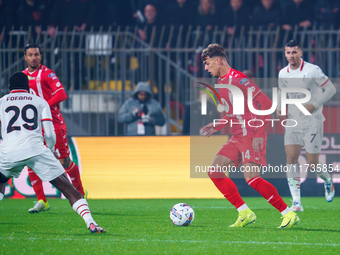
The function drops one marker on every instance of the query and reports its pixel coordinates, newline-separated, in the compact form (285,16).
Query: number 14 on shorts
(245,155)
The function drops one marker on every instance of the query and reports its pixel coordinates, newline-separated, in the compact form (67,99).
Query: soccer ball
(182,214)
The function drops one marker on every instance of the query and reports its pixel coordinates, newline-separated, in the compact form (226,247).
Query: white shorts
(309,137)
(45,165)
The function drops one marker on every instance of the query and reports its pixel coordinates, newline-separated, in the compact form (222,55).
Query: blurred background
(101,49)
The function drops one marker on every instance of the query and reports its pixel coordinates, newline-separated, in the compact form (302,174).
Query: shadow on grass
(294,228)
(117,214)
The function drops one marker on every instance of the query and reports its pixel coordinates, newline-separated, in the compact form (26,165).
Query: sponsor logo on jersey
(244,80)
(54,78)
(51,75)
(30,78)
(58,84)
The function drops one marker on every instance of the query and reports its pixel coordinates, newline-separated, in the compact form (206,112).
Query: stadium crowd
(84,14)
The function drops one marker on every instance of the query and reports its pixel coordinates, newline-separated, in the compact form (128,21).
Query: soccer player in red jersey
(247,144)
(44,83)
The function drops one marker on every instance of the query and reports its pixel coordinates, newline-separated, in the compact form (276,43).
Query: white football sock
(242,207)
(294,182)
(285,211)
(82,208)
(323,174)
(1,196)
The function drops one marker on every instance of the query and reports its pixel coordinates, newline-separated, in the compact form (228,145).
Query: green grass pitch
(143,227)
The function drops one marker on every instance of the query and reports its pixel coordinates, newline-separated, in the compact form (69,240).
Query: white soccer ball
(182,214)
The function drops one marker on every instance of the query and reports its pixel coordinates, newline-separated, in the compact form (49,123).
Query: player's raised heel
(296,207)
(96,229)
(40,206)
(329,191)
(245,218)
(289,219)
(85,194)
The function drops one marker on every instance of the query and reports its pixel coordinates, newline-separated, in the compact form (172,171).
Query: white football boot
(296,207)
(329,191)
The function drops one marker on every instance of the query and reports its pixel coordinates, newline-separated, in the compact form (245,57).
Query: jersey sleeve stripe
(46,120)
(256,94)
(57,91)
(324,82)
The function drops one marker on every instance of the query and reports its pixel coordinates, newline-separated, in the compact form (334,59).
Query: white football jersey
(21,116)
(307,76)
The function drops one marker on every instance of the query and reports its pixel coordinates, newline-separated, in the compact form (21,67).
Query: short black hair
(31,45)
(18,80)
(293,43)
(213,50)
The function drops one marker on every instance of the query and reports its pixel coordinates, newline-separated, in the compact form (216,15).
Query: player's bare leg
(73,171)
(269,192)
(37,185)
(77,201)
(293,175)
(229,190)
(322,172)
(3,181)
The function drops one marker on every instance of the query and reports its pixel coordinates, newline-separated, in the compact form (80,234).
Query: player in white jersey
(22,116)
(308,131)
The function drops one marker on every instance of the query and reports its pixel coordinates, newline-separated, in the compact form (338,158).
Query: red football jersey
(45,83)
(260,101)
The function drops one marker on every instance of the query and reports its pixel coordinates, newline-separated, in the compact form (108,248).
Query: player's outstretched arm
(49,134)
(208,130)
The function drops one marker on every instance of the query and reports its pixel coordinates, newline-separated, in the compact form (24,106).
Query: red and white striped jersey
(260,101)
(45,83)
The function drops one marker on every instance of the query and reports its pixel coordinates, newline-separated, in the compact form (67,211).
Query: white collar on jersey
(300,67)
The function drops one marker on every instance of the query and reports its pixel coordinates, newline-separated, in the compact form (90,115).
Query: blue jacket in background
(155,113)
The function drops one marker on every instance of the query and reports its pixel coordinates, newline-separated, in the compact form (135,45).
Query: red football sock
(37,185)
(228,188)
(268,191)
(73,172)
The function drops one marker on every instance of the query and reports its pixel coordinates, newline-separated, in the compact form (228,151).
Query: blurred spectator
(7,9)
(137,7)
(205,16)
(297,13)
(33,13)
(267,14)
(235,16)
(70,14)
(108,11)
(141,113)
(2,17)
(152,21)
(327,13)
(180,13)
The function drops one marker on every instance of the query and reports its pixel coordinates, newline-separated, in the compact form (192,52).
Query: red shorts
(240,150)
(61,146)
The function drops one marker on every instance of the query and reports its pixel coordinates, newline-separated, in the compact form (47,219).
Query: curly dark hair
(213,50)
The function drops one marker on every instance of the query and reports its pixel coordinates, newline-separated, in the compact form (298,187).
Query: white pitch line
(170,241)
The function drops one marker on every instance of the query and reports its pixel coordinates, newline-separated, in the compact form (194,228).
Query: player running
(44,83)
(247,144)
(22,117)
(309,129)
